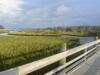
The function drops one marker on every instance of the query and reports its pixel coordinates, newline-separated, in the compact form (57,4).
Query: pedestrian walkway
(89,67)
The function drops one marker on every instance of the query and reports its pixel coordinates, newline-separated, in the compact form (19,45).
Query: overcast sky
(46,13)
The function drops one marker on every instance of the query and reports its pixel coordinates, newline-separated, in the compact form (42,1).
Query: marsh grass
(19,50)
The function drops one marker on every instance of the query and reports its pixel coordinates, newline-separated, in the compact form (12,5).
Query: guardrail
(36,65)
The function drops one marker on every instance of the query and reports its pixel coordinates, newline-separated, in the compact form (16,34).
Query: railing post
(63,48)
(85,57)
(97,37)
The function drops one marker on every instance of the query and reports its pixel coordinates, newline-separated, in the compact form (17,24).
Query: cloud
(10,7)
(62,10)
(45,14)
(37,12)
(35,15)
(13,11)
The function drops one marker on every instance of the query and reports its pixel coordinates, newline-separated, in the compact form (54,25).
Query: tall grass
(18,50)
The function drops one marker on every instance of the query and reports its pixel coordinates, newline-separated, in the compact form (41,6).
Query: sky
(48,13)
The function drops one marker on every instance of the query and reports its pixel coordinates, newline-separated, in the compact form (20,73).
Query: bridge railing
(36,65)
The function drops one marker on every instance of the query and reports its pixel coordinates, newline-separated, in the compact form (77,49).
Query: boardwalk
(89,67)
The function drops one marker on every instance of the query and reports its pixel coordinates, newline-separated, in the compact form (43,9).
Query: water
(84,40)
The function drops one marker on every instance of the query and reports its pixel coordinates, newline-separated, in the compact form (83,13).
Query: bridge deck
(89,67)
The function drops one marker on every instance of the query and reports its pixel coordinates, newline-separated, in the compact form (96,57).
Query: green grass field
(50,33)
(18,50)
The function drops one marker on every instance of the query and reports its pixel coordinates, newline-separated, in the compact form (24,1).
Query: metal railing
(36,65)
